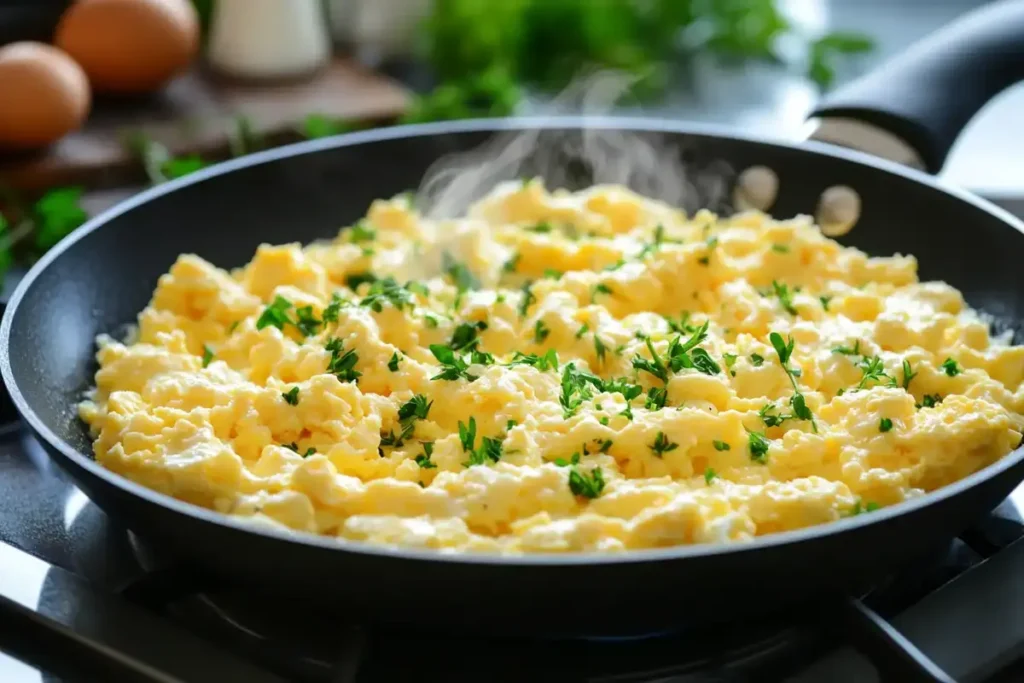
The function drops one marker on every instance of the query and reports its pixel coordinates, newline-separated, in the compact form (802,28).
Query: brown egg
(130,46)
(45,95)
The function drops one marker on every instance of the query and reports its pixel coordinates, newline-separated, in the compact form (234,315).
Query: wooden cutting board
(198,114)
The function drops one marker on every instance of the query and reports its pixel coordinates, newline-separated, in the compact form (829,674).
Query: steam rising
(574,158)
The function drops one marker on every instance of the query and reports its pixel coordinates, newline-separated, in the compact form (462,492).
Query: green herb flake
(207,355)
(540,332)
(908,375)
(825,302)
(709,475)
(452,367)
(662,445)
(275,315)
(780,248)
(584,485)
(291,397)
(342,363)
(361,232)
(656,398)
(730,361)
(951,367)
(393,363)
(758,445)
(930,400)
(757,360)
(884,425)
(721,446)
(785,296)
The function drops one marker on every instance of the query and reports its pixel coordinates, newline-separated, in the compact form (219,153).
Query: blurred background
(102,98)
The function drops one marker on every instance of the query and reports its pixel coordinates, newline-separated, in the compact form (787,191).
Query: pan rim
(674,553)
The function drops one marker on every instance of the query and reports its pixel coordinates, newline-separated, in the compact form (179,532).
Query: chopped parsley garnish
(824,302)
(599,349)
(606,445)
(387,291)
(330,314)
(784,350)
(576,388)
(656,398)
(584,485)
(528,298)
(721,446)
(207,355)
(461,276)
(859,508)
(584,328)
(770,417)
(730,360)
(541,228)
(512,263)
(552,273)
(847,350)
(780,248)
(309,451)
(662,445)
(360,232)
(467,435)
(951,367)
(452,367)
(465,335)
(908,374)
(873,369)
(416,408)
(430,321)
(599,288)
(679,357)
(393,363)
(757,360)
(342,363)
(930,400)
(681,326)
(604,420)
(509,425)
(758,445)
(306,321)
(785,297)
(709,476)
(275,315)
(549,361)
(424,460)
(884,425)
(540,332)
(291,397)
(353,280)
(490,449)
(623,386)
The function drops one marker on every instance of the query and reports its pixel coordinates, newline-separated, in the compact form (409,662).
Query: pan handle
(917,103)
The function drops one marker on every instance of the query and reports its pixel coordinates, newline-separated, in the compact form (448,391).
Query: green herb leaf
(330,314)
(758,445)
(452,367)
(721,446)
(207,355)
(756,360)
(884,425)
(908,374)
(275,315)
(951,367)
(584,485)
(656,398)
(662,445)
(930,400)
(393,363)
(291,397)
(342,363)
(709,475)
(56,214)
(785,297)
(825,302)
(540,332)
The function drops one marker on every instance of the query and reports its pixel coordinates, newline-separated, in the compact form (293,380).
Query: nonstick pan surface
(98,279)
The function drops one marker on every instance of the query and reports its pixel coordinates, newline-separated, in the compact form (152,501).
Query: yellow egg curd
(554,372)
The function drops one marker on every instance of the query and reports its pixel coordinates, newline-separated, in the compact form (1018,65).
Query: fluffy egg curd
(556,371)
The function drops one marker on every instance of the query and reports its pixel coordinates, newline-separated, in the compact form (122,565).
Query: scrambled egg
(555,372)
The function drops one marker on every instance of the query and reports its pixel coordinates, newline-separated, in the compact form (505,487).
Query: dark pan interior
(100,279)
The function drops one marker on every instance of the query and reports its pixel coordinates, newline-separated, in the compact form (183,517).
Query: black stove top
(82,599)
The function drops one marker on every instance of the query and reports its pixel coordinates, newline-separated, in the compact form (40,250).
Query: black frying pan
(102,276)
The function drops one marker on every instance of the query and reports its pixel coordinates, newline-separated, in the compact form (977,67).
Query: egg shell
(130,46)
(45,95)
